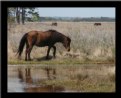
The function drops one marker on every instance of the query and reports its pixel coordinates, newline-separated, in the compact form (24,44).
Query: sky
(77,12)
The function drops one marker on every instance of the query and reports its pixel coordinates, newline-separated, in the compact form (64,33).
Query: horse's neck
(61,38)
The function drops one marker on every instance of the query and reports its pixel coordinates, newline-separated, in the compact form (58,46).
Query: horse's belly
(41,44)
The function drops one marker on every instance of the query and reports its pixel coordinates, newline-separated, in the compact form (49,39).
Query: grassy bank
(61,61)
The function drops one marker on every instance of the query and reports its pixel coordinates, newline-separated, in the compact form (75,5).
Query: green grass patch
(61,61)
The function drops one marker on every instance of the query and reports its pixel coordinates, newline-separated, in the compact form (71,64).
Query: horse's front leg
(26,52)
(54,52)
(47,57)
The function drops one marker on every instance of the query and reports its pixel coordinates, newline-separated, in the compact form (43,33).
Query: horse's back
(39,33)
(32,33)
(40,38)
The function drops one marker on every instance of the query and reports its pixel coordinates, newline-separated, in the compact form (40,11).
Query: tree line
(20,14)
(78,19)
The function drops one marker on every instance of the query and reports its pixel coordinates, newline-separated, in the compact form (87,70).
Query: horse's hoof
(54,57)
(47,58)
(29,59)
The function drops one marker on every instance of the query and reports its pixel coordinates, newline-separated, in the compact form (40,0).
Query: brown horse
(54,24)
(41,39)
(97,24)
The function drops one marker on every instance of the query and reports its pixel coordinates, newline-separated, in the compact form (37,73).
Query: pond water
(24,78)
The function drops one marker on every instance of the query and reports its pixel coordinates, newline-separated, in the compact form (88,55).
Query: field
(89,42)
(88,67)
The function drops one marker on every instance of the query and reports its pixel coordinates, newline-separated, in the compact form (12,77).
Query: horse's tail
(21,45)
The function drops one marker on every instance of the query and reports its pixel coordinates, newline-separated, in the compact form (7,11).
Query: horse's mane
(57,34)
(52,30)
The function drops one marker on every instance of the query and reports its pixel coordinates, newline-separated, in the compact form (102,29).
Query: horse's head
(66,43)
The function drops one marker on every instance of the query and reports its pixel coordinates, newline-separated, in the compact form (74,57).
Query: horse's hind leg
(54,52)
(26,52)
(29,51)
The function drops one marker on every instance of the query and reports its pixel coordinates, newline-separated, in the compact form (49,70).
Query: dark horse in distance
(41,39)
(97,24)
(54,24)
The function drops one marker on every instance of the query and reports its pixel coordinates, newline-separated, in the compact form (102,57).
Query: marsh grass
(88,41)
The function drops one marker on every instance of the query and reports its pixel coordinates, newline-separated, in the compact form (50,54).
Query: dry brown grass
(88,41)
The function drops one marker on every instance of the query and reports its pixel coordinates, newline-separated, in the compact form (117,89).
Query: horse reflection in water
(48,71)
(25,74)
(28,78)
(20,75)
